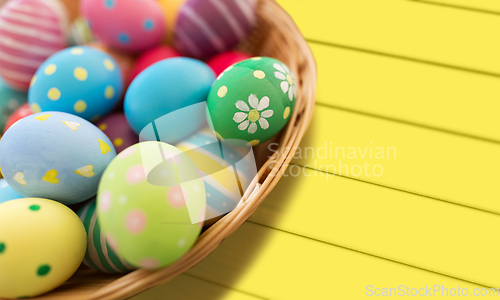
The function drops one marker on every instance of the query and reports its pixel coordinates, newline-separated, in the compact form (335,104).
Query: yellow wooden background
(420,77)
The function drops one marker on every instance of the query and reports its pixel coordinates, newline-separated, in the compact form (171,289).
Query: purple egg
(115,126)
(205,28)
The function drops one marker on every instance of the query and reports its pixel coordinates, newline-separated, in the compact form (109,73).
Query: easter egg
(116,127)
(226,171)
(158,93)
(99,255)
(42,244)
(171,11)
(205,28)
(252,101)
(222,61)
(79,32)
(151,204)
(125,62)
(152,56)
(79,80)
(7,193)
(126,25)
(10,100)
(55,155)
(23,111)
(30,32)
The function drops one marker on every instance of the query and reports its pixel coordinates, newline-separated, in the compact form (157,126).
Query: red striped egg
(208,27)
(30,32)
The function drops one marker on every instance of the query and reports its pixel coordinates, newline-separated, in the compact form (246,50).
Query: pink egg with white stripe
(208,27)
(30,32)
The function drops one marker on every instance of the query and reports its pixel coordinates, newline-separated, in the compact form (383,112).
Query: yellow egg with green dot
(80,80)
(42,244)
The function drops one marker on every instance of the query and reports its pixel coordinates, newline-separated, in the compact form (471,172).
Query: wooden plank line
(224,286)
(186,286)
(406,58)
(428,162)
(411,93)
(403,227)
(370,254)
(454,6)
(483,139)
(405,28)
(397,189)
(279,265)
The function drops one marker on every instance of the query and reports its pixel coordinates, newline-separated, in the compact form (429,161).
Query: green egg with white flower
(151,204)
(251,101)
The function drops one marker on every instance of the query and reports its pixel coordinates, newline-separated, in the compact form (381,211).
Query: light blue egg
(169,93)
(79,80)
(10,100)
(7,193)
(55,155)
(226,171)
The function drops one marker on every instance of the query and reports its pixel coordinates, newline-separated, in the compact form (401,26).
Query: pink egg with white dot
(130,26)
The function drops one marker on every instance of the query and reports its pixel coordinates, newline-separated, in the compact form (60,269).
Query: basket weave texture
(275,35)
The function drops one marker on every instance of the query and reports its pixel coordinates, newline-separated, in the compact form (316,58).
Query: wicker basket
(276,35)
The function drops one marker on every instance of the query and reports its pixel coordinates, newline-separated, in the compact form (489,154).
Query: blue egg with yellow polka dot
(55,155)
(80,80)
(226,171)
(10,100)
(7,193)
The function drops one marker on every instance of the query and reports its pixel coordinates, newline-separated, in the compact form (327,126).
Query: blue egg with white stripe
(7,193)
(80,80)
(226,171)
(168,99)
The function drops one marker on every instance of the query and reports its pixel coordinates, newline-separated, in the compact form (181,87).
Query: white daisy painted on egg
(288,83)
(250,116)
